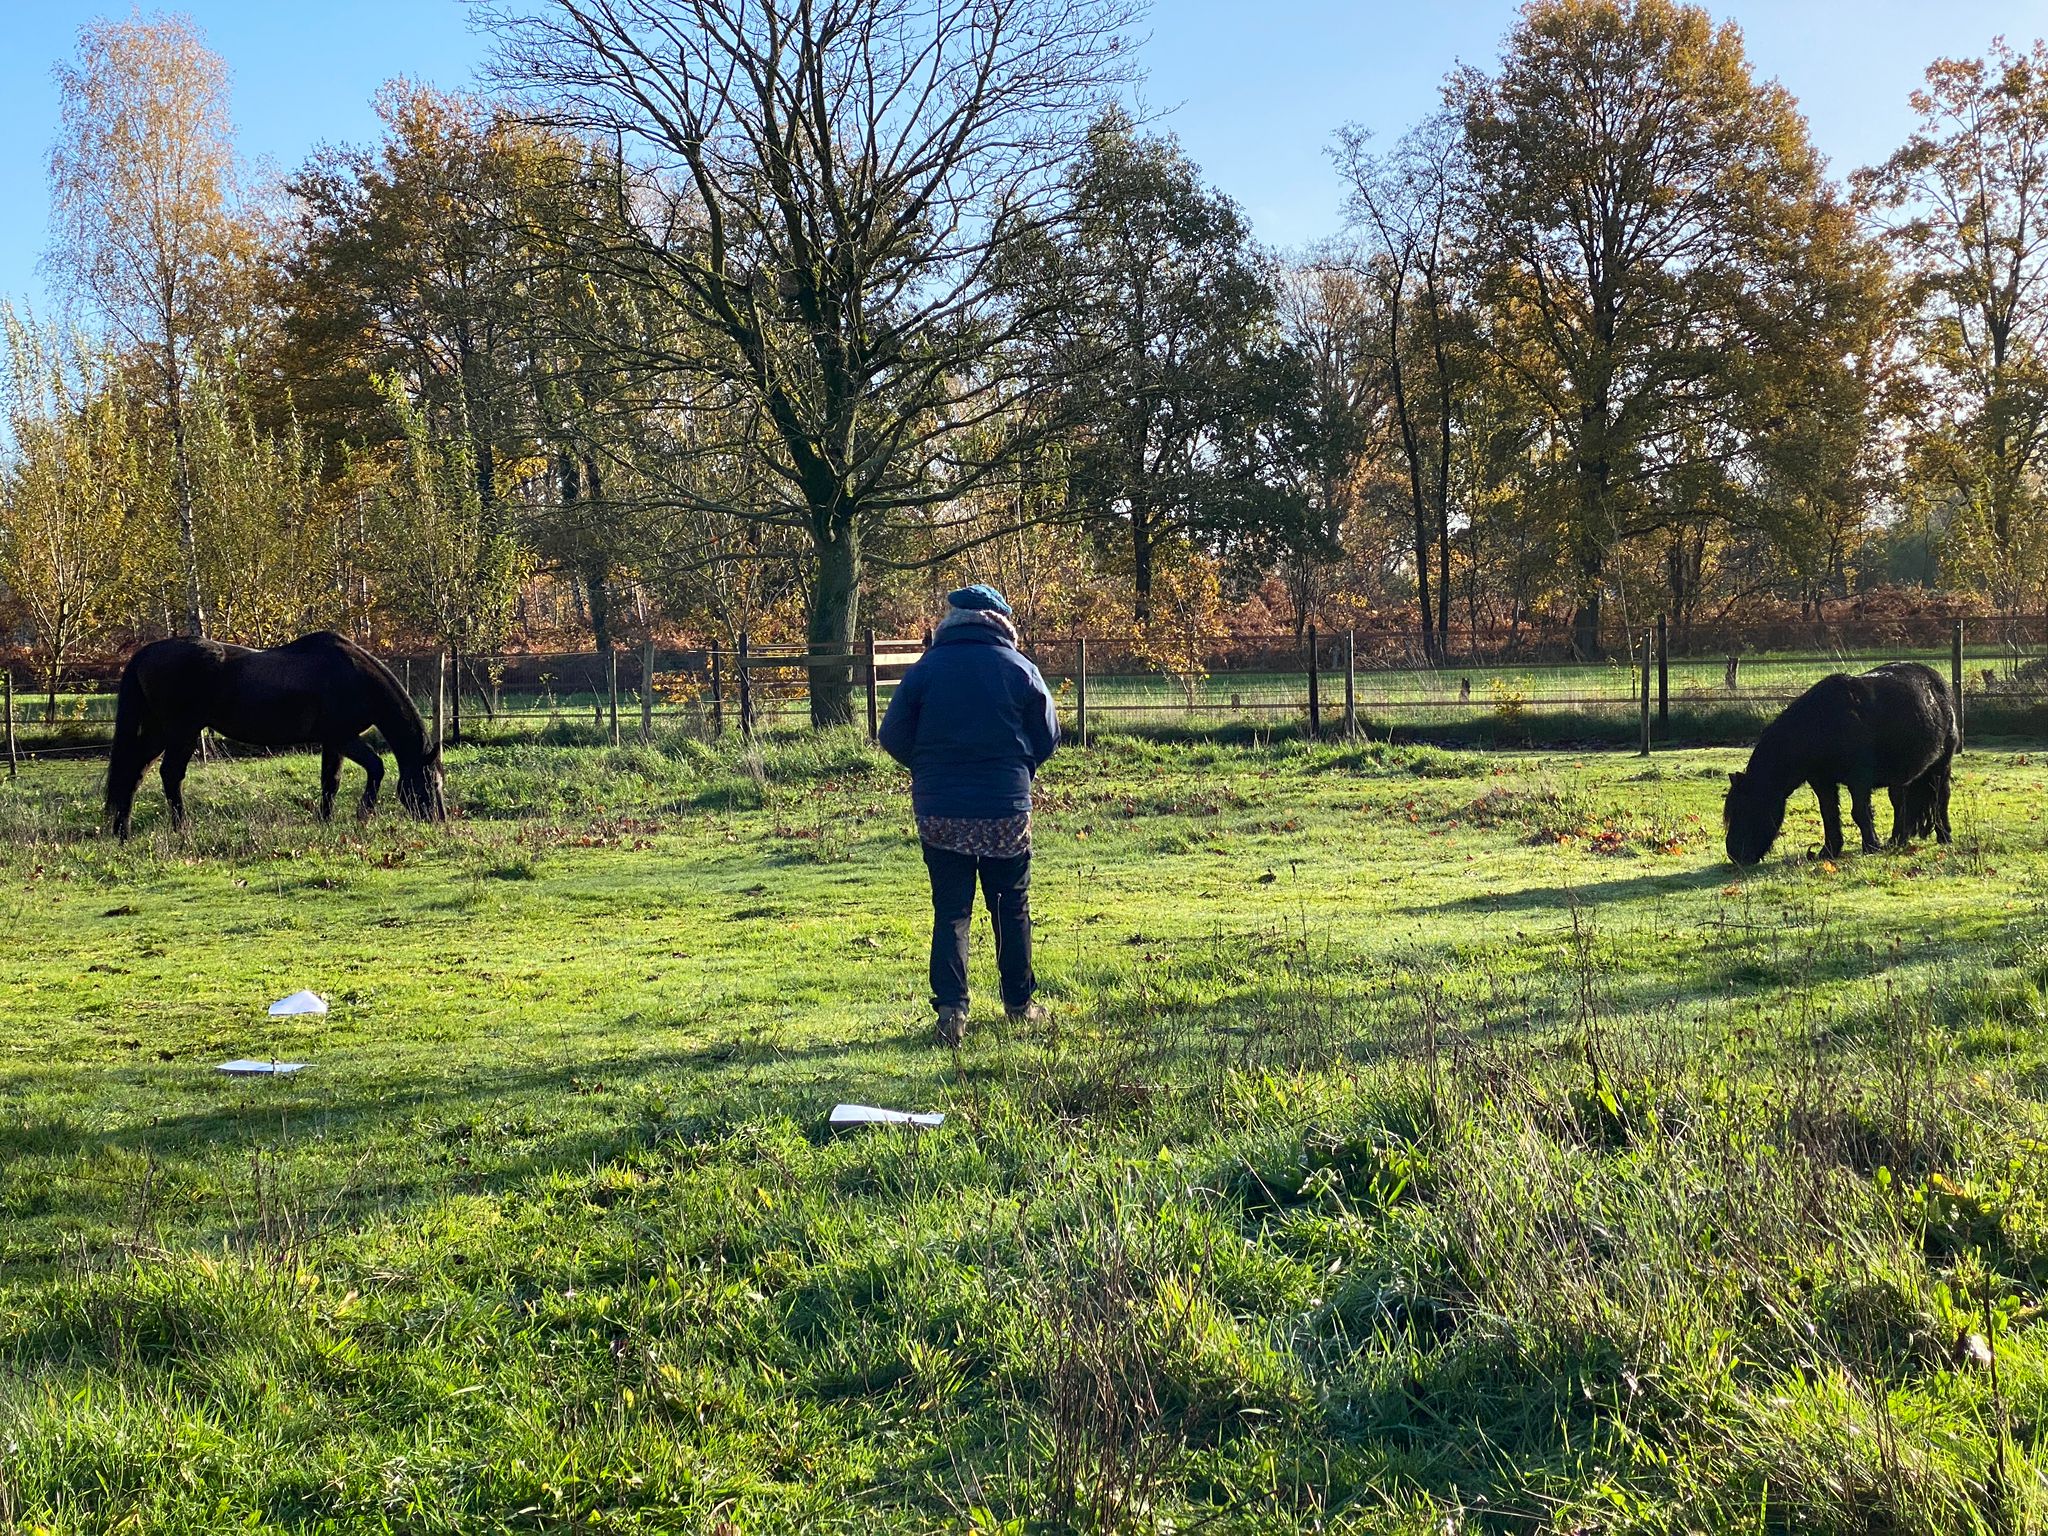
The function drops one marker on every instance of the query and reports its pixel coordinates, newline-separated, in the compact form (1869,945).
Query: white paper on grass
(298,1002)
(264,1068)
(867,1114)
(846,1115)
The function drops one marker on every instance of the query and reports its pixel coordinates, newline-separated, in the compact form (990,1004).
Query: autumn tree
(275,554)
(452,568)
(1166,309)
(601,418)
(1670,274)
(831,189)
(1296,448)
(1964,207)
(409,260)
(67,493)
(149,229)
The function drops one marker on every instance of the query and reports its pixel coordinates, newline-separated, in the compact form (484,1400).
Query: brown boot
(1030,1013)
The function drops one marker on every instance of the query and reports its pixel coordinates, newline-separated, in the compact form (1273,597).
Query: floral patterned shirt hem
(999,837)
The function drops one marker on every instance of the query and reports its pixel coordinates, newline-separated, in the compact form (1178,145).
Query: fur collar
(959,619)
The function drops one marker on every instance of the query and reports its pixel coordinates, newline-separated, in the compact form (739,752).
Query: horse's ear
(1735,778)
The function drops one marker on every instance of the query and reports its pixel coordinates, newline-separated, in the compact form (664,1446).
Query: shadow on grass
(1561,897)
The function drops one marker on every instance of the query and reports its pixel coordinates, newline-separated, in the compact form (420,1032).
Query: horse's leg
(1866,819)
(1905,801)
(1940,796)
(357,750)
(177,757)
(129,761)
(330,780)
(1829,796)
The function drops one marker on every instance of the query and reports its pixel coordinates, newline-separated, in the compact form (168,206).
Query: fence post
(13,758)
(647,691)
(611,688)
(874,694)
(746,685)
(1351,685)
(411,697)
(440,696)
(1081,689)
(1955,674)
(455,695)
(1663,674)
(1649,644)
(717,696)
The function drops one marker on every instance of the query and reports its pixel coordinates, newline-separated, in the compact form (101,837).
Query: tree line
(712,316)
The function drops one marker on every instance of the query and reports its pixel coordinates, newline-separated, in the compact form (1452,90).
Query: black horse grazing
(1893,727)
(321,690)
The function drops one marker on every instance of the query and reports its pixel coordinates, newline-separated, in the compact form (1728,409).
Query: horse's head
(421,787)
(1752,817)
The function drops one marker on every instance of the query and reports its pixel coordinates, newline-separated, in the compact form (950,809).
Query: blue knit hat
(979,596)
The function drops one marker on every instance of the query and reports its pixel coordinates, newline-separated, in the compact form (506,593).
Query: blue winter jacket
(972,721)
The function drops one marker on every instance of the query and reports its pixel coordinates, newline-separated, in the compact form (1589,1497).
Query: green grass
(1422,1142)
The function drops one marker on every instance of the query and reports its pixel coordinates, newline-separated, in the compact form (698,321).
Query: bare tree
(834,191)
(142,183)
(1404,205)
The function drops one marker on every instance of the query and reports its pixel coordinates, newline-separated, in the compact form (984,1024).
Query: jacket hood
(975,624)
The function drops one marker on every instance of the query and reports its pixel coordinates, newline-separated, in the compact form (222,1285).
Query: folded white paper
(867,1114)
(266,1068)
(298,1002)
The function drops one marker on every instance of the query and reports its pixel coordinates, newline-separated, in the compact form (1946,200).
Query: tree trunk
(1443,470)
(597,578)
(834,621)
(1589,552)
(486,478)
(1586,626)
(1412,452)
(1443,583)
(1141,564)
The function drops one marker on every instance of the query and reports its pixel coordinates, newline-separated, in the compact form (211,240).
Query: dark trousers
(1006,886)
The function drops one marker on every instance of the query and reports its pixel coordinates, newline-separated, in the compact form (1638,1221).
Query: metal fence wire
(1319,682)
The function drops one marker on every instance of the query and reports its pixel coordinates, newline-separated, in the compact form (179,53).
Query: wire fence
(1487,687)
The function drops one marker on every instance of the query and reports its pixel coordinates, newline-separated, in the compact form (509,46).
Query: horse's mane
(1779,759)
(411,735)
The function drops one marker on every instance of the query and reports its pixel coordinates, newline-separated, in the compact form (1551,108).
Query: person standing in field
(973,723)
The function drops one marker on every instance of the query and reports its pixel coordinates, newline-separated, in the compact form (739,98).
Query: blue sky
(1254,90)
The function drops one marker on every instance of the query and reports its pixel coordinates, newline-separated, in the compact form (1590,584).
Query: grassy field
(1422,1142)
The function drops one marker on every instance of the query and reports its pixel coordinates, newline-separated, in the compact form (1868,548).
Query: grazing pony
(320,690)
(1893,727)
